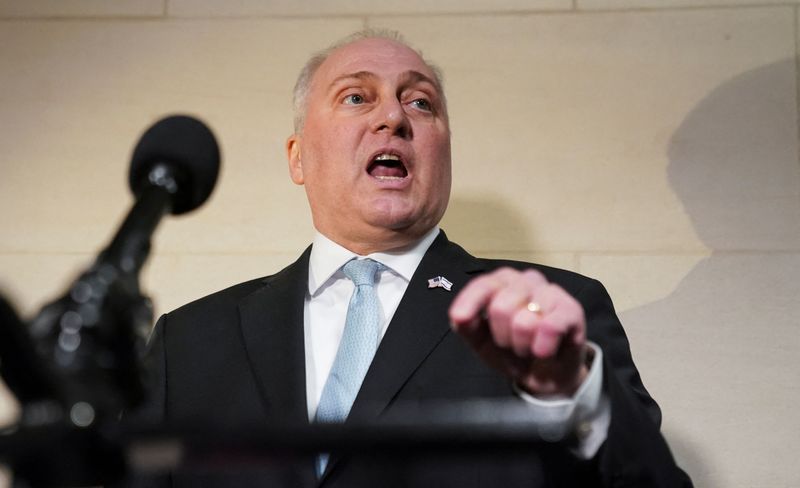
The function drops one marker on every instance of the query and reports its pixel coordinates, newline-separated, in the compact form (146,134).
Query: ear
(295,161)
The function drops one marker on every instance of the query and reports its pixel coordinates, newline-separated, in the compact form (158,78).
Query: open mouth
(387,167)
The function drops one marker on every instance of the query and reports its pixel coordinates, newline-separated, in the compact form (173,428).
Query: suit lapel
(272,330)
(418,325)
(273,333)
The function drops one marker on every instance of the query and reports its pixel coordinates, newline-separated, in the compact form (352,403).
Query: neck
(391,241)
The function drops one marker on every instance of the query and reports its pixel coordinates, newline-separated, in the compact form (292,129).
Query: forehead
(384,58)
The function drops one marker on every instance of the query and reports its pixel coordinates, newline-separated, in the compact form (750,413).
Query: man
(372,148)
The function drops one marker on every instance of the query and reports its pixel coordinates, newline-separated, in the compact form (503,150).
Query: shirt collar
(327,257)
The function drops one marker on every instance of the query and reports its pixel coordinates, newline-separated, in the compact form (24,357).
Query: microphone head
(189,148)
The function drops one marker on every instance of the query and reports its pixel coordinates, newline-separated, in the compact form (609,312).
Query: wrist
(557,386)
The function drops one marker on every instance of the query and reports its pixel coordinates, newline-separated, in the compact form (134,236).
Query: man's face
(374,153)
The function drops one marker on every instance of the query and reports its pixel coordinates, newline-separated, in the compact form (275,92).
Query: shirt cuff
(586,414)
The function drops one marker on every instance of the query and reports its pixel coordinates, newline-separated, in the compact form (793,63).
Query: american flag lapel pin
(440,282)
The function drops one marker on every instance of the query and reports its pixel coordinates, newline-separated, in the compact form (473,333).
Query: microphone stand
(93,337)
(78,363)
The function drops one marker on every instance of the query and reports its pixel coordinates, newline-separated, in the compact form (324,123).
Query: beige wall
(651,144)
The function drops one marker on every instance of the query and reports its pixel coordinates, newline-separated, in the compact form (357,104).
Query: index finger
(478,293)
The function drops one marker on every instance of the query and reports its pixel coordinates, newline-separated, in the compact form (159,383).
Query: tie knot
(362,271)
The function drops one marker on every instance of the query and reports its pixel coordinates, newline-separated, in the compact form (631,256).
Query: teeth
(387,157)
(389,177)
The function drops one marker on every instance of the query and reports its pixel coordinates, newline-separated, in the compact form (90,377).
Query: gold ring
(535,308)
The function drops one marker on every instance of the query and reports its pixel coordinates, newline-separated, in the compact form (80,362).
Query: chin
(390,213)
(401,216)
(392,224)
(411,227)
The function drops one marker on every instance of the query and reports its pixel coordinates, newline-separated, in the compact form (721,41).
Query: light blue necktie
(362,333)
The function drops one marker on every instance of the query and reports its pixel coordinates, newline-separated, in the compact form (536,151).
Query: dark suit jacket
(236,358)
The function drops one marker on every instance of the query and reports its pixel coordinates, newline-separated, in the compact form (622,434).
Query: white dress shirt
(329,291)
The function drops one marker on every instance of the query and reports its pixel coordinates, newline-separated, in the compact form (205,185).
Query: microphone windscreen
(189,148)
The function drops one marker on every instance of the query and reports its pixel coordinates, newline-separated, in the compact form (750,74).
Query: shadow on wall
(482,225)
(730,387)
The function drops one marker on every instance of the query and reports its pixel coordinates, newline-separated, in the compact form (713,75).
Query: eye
(422,104)
(354,99)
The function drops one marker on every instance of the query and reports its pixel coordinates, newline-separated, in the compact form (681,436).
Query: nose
(391,117)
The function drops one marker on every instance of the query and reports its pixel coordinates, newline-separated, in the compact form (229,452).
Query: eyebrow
(411,77)
(406,78)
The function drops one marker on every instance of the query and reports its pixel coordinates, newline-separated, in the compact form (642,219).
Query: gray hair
(303,84)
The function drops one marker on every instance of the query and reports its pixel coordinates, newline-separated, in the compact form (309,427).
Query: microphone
(79,362)
(92,338)
(173,169)
(182,148)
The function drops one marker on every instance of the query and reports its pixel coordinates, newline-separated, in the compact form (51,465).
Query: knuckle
(497,309)
(532,273)
(504,273)
(518,328)
(525,319)
(553,328)
(557,291)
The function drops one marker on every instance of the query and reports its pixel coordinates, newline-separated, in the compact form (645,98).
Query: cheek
(443,172)
(334,152)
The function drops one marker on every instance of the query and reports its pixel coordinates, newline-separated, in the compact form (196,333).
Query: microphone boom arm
(130,246)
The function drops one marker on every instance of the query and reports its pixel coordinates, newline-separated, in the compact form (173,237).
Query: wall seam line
(344,16)
(796,12)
